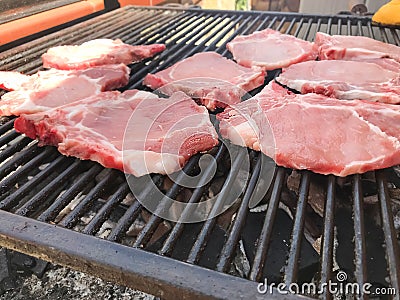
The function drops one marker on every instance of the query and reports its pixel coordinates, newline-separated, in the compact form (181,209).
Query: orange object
(388,14)
(139,2)
(29,25)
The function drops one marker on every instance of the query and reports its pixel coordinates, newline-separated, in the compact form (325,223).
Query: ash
(63,283)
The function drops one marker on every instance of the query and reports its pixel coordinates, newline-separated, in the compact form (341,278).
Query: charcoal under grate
(308,228)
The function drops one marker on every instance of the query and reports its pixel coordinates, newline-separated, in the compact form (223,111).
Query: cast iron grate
(307,228)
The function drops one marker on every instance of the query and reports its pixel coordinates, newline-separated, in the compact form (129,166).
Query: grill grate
(38,184)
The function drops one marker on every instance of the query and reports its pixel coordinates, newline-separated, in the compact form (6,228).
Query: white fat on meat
(53,88)
(374,80)
(317,133)
(208,77)
(96,53)
(270,49)
(135,131)
(353,47)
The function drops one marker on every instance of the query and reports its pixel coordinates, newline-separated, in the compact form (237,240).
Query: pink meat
(12,81)
(373,80)
(270,49)
(208,77)
(134,131)
(54,88)
(314,132)
(353,47)
(96,53)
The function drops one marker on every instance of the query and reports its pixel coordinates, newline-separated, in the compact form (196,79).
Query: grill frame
(59,245)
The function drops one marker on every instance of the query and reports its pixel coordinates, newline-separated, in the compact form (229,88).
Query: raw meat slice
(314,132)
(96,53)
(373,80)
(208,77)
(270,50)
(353,47)
(53,88)
(11,81)
(134,131)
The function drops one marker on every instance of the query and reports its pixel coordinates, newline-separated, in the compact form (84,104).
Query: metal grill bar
(131,214)
(327,242)
(177,230)
(155,220)
(298,227)
(265,236)
(202,238)
(55,208)
(359,233)
(106,183)
(388,228)
(234,236)
(54,187)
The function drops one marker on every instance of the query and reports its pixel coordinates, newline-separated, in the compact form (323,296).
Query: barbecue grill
(308,227)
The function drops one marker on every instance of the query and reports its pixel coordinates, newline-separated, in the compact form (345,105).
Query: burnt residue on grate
(307,227)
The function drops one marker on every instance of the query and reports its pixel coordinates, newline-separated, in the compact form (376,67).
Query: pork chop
(373,80)
(353,47)
(135,131)
(270,49)
(53,88)
(208,77)
(314,132)
(96,53)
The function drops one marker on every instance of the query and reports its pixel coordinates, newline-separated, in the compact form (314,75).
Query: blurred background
(304,6)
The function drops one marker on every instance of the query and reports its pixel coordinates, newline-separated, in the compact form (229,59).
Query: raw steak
(353,47)
(11,81)
(270,50)
(373,80)
(208,77)
(314,132)
(96,53)
(134,131)
(53,88)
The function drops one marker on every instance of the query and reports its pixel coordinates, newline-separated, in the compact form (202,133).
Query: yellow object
(388,14)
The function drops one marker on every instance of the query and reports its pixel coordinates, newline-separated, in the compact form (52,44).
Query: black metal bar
(395,36)
(234,235)
(307,33)
(298,228)
(359,234)
(131,213)
(21,172)
(349,32)
(392,246)
(51,212)
(4,139)
(291,25)
(299,26)
(14,148)
(370,30)
(359,29)
(6,126)
(166,31)
(202,238)
(19,159)
(197,193)
(155,220)
(50,187)
(27,187)
(106,209)
(266,232)
(329,25)
(104,184)
(328,235)
(135,268)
